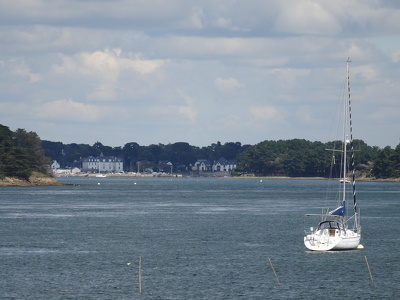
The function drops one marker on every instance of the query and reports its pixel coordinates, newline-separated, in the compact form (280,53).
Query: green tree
(296,158)
(33,145)
(6,144)
(14,160)
(387,163)
(17,163)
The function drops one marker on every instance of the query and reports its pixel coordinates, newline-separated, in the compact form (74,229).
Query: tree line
(293,158)
(302,158)
(22,153)
(182,155)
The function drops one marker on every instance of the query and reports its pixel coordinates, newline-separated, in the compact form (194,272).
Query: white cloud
(306,17)
(69,110)
(19,68)
(266,112)
(195,17)
(227,84)
(228,24)
(188,110)
(104,69)
(180,109)
(107,64)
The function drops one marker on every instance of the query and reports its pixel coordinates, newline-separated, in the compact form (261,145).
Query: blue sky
(119,71)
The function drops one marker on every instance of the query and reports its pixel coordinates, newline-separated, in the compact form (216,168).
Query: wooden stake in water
(272,267)
(369,270)
(140,274)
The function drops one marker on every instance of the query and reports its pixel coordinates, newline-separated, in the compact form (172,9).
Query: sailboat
(337,229)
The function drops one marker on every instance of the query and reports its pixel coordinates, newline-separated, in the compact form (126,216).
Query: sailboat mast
(344,146)
(351,140)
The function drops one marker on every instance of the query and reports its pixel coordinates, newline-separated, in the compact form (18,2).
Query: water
(198,239)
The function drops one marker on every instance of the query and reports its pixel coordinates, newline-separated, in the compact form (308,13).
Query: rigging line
(351,140)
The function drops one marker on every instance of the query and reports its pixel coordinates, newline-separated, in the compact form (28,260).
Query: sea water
(197,238)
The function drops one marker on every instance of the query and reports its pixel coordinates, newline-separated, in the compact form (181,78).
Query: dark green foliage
(294,158)
(31,142)
(298,158)
(181,154)
(20,153)
(16,163)
(6,145)
(387,163)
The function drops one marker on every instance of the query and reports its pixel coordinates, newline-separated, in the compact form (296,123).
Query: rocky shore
(35,180)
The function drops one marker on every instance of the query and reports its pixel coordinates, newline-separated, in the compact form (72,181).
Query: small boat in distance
(101,175)
(334,232)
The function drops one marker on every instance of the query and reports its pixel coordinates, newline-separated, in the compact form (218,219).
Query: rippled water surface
(198,239)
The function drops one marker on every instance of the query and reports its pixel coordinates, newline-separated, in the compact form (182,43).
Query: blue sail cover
(340,211)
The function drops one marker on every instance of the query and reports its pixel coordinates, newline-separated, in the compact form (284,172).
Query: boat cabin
(330,225)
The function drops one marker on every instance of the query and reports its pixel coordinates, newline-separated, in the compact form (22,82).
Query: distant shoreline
(44,180)
(230,177)
(317,178)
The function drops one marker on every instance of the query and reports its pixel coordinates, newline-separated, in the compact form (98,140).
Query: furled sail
(340,211)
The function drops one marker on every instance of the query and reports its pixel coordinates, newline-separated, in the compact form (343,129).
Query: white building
(54,165)
(220,165)
(223,165)
(202,165)
(102,164)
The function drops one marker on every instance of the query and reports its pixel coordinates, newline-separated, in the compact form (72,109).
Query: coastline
(224,176)
(35,179)
(315,178)
(38,179)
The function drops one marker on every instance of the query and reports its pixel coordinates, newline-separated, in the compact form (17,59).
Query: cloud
(179,109)
(304,113)
(104,68)
(228,24)
(195,18)
(266,112)
(227,84)
(106,64)
(69,110)
(187,110)
(306,17)
(385,113)
(19,68)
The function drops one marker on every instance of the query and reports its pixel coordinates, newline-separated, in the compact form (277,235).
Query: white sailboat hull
(325,240)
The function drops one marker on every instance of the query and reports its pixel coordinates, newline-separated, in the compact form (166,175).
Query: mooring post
(272,267)
(369,270)
(140,274)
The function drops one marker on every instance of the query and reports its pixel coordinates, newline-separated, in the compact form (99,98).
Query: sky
(152,71)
